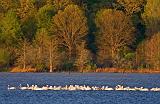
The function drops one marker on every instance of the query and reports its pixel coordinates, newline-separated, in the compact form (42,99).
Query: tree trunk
(113,57)
(24,55)
(39,56)
(70,58)
(50,57)
(81,68)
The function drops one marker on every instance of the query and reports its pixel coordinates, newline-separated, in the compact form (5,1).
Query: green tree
(151,17)
(116,32)
(27,12)
(44,16)
(4,57)
(10,29)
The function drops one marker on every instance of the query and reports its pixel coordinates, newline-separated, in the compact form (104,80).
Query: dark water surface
(79,97)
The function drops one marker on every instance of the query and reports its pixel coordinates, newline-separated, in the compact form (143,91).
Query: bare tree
(54,54)
(47,50)
(116,32)
(83,57)
(70,27)
(24,54)
(152,53)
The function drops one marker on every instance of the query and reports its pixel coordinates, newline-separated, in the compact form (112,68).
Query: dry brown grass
(21,70)
(98,70)
(117,70)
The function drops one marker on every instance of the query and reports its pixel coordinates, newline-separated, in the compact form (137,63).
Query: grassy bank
(117,70)
(98,70)
(22,70)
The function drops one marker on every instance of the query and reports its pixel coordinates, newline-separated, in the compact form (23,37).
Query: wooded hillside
(77,35)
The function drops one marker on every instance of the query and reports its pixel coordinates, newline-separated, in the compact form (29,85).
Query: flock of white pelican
(84,87)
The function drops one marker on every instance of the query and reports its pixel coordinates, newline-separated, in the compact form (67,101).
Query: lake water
(79,97)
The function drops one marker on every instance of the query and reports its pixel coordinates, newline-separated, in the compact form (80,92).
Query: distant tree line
(78,35)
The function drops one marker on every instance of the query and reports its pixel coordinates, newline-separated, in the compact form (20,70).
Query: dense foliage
(52,35)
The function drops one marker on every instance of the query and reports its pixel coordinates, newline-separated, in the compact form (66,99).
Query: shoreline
(117,70)
(98,70)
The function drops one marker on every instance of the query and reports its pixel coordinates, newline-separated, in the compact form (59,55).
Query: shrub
(4,57)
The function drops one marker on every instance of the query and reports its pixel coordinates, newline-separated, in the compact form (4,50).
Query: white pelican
(88,88)
(11,88)
(23,88)
(37,88)
(119,88)
(45,87)
(155,89)
(143,89)
(108,89)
